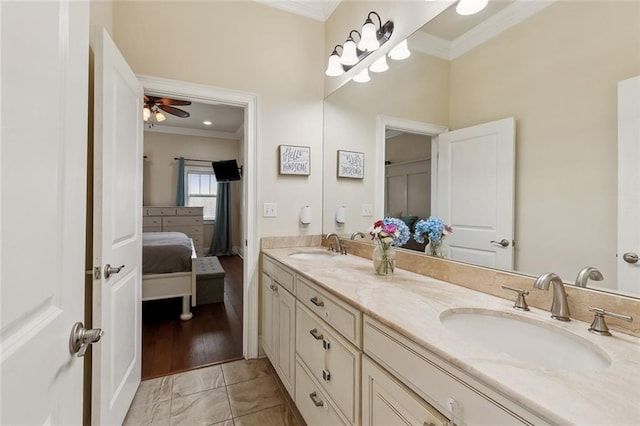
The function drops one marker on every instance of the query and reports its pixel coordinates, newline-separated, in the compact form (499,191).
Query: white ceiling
(227,121)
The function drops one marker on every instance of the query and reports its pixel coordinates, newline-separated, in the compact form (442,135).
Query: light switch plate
(270,210)
(367,210)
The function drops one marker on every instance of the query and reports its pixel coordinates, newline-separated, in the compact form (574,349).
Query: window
(201,189)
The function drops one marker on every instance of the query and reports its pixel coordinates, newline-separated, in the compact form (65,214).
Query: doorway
(242,269)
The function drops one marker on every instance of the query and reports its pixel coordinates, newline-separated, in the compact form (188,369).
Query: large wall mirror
(555,68)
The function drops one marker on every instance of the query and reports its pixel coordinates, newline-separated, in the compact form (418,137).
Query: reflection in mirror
(556,72)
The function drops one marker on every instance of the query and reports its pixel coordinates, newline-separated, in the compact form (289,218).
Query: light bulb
(146,113)
(334,68)
(160,117)
(469,7)
(369,40)
(380,65)
(362,76)
(401,51)
(349,55)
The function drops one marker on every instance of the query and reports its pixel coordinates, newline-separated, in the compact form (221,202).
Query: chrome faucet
(339,248)
(559,307)
(357,234)
(587,273)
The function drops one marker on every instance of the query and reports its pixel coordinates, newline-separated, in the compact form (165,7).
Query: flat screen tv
(226,171)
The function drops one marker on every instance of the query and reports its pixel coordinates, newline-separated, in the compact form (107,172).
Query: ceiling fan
(153,106)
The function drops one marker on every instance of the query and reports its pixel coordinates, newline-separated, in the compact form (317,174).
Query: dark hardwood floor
(213,335)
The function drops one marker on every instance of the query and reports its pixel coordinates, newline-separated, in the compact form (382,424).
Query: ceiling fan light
(362,76)
(160,117)
(469,7)
(401,51)
(349,54)
(146,113)
(369,40)
(380,65)
(334,68)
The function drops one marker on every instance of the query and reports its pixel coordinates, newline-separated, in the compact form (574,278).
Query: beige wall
(566,120)
(161,171)
(246,46)
(101,13)
(407,147)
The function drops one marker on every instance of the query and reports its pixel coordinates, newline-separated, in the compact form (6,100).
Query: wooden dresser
(187,220)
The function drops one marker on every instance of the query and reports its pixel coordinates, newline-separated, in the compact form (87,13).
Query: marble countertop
(412,304)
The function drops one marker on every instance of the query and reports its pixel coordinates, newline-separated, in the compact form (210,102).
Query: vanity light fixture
(380,65)
(362,76)
(401,51)
(350,51)
(369,40)
(470,7)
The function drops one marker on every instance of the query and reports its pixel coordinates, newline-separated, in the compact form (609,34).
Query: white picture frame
(350,164)
(295,160)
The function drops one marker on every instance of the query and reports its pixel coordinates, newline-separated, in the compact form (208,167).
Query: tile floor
(239,393)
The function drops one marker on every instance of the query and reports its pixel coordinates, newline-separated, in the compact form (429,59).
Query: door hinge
(97,273)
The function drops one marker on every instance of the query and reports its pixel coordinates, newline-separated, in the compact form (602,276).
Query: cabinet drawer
(425,374)
(160,211)
(191,231)
(189,211)
(313,403)
(386,401)
(331,360)
(279,273)
(152,221)
(152,229)
(182,221)
(340,315)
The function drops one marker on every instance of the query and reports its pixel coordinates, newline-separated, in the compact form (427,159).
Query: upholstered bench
(209,280)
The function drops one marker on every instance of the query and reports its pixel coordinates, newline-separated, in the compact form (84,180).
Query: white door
(408,188)
(43,186)
(117,233)
(476,169)
(629,185)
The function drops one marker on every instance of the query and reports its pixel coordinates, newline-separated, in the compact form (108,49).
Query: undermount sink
(525,340)
(311,254)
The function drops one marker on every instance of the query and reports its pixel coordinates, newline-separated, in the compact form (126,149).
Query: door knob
(502,243)
(110,270)
(630,257)
(81,338)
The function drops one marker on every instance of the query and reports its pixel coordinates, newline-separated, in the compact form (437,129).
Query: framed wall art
(350,164)
(295,160)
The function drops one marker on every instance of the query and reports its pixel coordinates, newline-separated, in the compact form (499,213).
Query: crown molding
(320,10)
(174,130)
(508,17)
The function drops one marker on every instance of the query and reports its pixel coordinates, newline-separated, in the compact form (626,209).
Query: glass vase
(384,259)
(434,249)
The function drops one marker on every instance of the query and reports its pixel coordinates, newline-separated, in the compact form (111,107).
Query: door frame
(384,122)
(203,93)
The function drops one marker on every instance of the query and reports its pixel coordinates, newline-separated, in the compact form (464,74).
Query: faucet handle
(599,326)
(520,303)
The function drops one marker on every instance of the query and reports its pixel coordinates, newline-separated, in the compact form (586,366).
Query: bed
(169,269)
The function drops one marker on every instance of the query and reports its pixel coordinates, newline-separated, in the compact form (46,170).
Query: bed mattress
(166,252)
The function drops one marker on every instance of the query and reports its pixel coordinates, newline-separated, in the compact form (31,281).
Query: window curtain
(221,244)
(180,195)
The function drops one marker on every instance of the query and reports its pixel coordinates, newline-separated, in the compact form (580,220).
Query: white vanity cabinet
(451,391)
(386,401)
(278,321)
(328,349)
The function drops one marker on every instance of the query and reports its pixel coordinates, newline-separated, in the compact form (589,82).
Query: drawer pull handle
(315,334)
(316,302)
(326,375)
(273,287)
(314,398)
